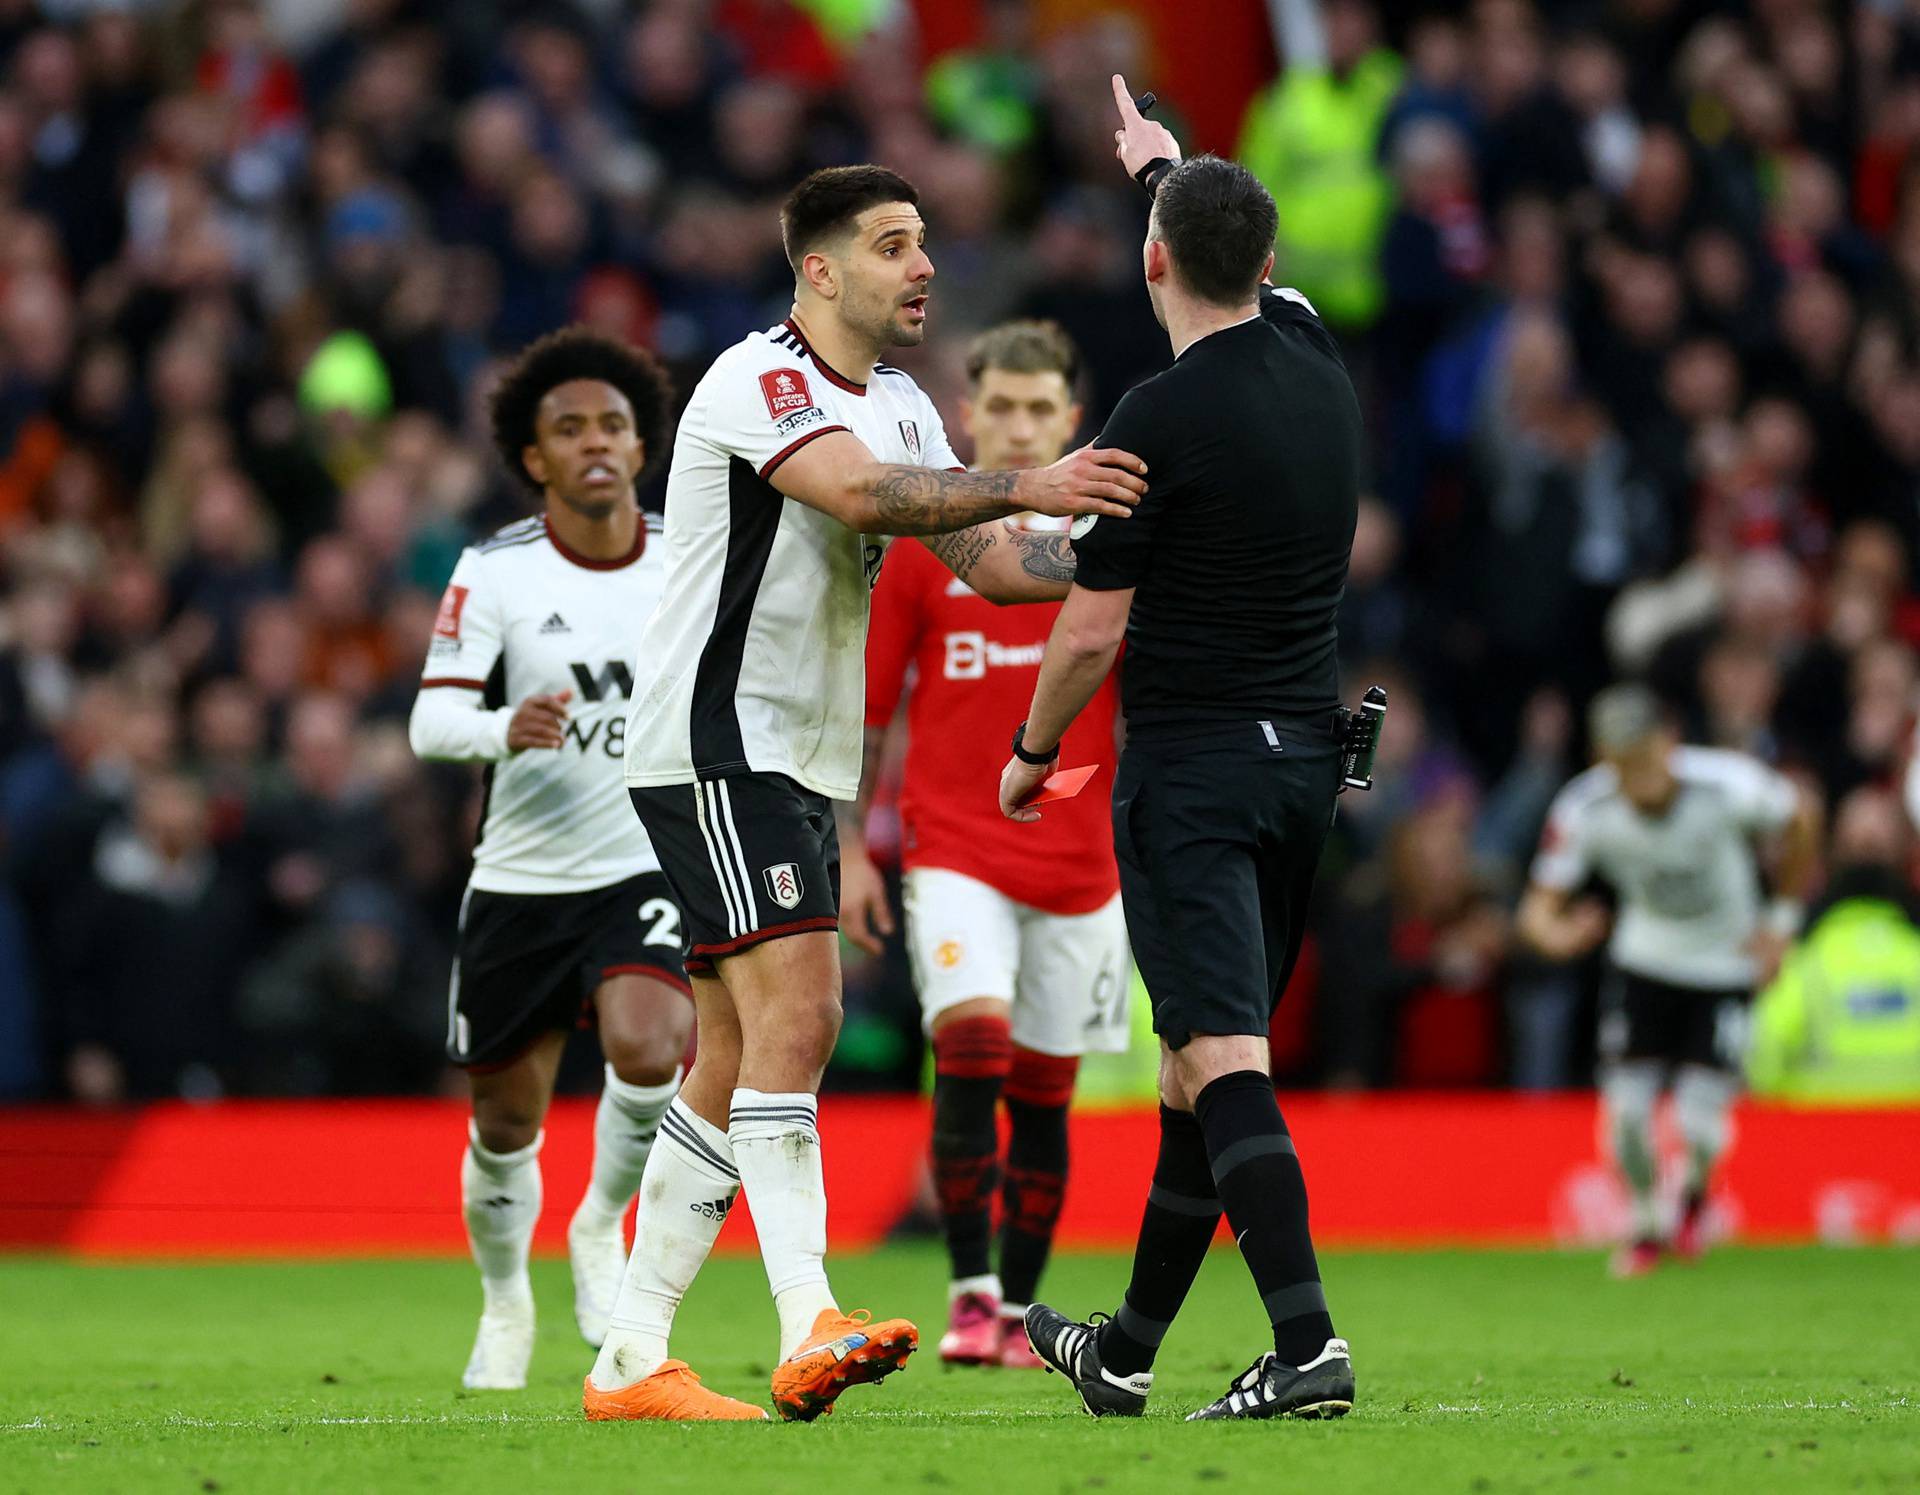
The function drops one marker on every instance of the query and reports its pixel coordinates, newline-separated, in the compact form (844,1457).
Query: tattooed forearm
(960,551)
(927,501)
(1045,555)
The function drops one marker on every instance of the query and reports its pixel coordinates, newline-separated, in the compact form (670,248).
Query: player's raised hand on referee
(1139,139)
(1092,480)
(539,722)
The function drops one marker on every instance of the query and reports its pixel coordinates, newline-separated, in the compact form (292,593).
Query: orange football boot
(673,1393)
(845,1349)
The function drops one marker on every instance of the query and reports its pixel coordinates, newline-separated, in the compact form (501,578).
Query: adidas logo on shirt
(717,1210)
(555,624)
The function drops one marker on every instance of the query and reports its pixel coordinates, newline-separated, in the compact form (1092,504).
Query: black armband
(1150,175)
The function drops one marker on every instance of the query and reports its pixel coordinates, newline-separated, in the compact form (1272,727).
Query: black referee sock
(1260,1183)
(1182,1214)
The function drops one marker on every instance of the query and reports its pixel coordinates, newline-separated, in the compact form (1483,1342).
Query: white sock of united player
(1258,1177)
(972,1057)
(500,1196)
(1181,1219)
(1039,1090)
(776,1143)
(687,1189)
(624,1126)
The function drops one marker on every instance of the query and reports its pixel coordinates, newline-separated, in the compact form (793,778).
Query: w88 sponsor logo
(609,734)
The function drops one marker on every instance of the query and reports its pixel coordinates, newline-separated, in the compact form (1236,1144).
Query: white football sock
(1630,1090)
(624,1126)
(776,1142)
(685,1193)
(1702,1106)
(500,1196)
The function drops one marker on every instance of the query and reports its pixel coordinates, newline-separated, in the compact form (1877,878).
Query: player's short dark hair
(827,202)
(1218,221)
(561,357)
(1036,346)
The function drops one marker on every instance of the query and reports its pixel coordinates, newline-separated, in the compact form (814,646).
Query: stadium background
(1631,292)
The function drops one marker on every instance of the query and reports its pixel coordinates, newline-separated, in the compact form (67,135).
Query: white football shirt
(1688,881)
(756,657)
(522,617)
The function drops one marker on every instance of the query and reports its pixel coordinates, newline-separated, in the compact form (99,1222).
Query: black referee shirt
(1238,553)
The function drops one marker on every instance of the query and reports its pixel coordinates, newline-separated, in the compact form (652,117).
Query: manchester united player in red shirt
(1018,946)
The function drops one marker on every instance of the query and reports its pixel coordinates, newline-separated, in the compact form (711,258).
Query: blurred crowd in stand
(1630,290)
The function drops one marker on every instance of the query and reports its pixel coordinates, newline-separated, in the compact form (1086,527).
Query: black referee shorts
(751,856)
(1218,830)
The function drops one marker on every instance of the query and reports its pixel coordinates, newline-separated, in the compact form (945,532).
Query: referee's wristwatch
(1032,760)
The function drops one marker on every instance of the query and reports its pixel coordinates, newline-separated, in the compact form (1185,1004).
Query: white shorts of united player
(1065,974)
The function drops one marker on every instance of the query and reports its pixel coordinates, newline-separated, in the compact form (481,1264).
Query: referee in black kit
(1224,585)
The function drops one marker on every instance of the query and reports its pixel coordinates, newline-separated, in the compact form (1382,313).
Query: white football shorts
(1065,974)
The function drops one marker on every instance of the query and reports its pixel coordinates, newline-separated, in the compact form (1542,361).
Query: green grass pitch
(1753,1370)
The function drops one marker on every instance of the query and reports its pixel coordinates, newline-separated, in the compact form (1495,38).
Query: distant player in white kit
(799,453)
(1679,834)
(567,918)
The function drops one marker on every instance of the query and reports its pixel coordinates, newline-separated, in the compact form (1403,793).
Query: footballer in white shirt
(1681,835)
(798,456)
(567,920)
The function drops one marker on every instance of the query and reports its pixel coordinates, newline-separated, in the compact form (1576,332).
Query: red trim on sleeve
(774,462)
(839,381)
(587,562)
(438,682)
(758,936)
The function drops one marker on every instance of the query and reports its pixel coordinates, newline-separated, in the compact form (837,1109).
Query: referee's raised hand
(1092,480)
(1139,139)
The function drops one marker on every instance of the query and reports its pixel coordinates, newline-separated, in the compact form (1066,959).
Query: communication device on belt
(1360,738)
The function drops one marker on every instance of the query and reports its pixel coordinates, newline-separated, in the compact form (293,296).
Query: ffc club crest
(783,884)
(910,433)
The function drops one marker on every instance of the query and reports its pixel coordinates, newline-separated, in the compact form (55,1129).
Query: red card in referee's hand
(1062,785)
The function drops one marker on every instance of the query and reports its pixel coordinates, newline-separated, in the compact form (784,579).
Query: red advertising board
(365,1177)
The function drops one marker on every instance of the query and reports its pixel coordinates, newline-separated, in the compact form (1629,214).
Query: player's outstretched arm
(1795,868)
(1558,925)
(1006,565)
(450,725)
(839,476)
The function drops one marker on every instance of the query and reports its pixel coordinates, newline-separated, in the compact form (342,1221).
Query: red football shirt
(977,663)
